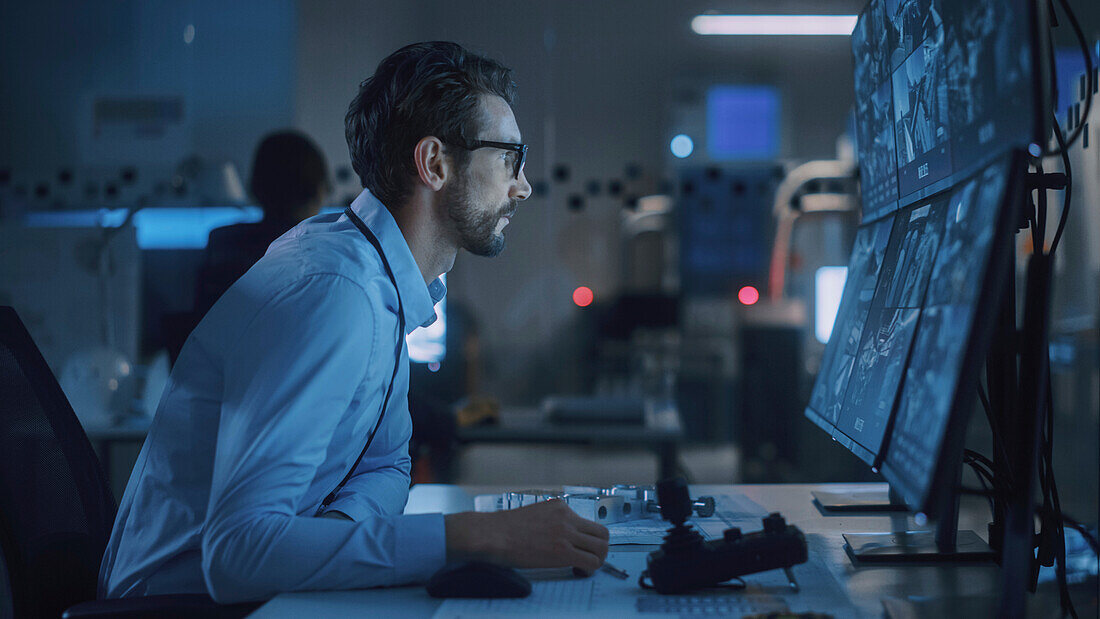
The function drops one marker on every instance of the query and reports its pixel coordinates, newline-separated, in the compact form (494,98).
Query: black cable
(982,472)
(1051,501)
(998,438)
(1053,520)
(989,496)
(1060,531)
(986,478)
(1068,191)
(1051,537)
(983,475)
(973,455)
(1041,212)
(1089,79)
(1084,531)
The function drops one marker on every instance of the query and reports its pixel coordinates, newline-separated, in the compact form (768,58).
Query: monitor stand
(916,547)
(852,501)
(945,544)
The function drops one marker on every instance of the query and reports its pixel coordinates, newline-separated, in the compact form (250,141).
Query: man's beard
(476,228)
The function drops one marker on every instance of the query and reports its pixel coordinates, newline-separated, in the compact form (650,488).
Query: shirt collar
(417,298)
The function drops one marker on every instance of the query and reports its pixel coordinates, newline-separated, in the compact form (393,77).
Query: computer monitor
(859,379)
(949,95)
(942,87)
(924,445)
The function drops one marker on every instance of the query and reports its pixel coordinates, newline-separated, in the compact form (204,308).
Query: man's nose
(521,189)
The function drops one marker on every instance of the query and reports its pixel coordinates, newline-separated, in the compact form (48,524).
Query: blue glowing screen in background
(828,288)
(429,344)
(187,228)
(157,228)
(742,122)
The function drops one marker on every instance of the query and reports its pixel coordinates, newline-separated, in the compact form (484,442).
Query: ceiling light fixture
(774,24)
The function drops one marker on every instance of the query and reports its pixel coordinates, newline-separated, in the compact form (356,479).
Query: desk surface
(864,588)
(534,425)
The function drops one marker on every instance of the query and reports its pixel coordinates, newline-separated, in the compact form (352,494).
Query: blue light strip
(157,227)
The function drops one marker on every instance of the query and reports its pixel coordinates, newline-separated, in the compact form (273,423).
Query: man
(302,363)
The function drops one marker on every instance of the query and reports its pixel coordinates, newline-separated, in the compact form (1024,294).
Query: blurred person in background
(289,182)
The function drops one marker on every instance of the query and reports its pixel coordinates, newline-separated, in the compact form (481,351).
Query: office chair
(56,510)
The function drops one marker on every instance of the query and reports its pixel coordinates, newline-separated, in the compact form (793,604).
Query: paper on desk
(736,506)
(647,531)
(602,595)
(557,593)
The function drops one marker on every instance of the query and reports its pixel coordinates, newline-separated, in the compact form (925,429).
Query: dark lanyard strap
(396,363)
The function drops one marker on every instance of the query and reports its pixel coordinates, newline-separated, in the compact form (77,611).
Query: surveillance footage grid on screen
(888,333)
(836,366)
(891,370)
(946,326)
(941,88)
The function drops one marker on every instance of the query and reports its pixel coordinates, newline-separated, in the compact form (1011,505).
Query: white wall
(236,75)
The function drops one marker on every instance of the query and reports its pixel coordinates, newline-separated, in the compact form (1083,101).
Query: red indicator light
(583,296)
(748,295)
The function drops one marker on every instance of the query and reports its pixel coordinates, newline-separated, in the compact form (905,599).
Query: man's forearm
(258,556)
(468,536)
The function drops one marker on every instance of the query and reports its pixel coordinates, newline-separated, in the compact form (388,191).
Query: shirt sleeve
(380,483)
(289,379)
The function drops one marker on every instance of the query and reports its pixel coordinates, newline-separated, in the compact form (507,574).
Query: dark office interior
(767,263)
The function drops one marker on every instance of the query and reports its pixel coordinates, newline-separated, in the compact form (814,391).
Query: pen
(614,571)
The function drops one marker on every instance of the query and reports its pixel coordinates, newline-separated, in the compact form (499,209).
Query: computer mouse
(478,579)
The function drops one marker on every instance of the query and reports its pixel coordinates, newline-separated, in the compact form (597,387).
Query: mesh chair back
(56,510)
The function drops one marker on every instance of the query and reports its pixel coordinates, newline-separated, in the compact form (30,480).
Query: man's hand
(546,534)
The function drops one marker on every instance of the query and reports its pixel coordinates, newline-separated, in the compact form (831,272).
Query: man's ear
(433,166)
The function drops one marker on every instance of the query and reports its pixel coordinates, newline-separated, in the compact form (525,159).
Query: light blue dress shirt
(268,407)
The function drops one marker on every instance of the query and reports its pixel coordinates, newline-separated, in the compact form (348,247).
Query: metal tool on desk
(602,509)
(618,503)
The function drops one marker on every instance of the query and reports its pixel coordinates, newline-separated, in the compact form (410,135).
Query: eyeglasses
(519,149)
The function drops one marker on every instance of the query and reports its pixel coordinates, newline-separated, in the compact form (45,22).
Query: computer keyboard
(734,604)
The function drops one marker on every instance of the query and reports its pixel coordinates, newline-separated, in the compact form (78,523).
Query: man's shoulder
(325,262)
(331,252)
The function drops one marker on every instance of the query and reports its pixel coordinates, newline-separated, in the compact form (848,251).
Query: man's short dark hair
(420,90)
(288,172)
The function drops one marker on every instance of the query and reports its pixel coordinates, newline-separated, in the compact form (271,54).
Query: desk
(860,590)
(530,425)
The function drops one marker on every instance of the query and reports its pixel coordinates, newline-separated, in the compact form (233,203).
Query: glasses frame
(512,146)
